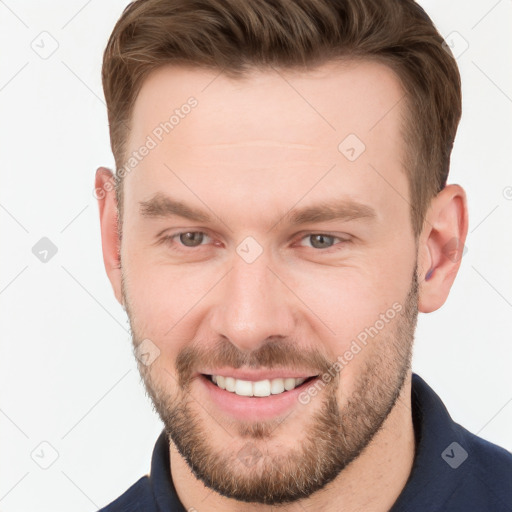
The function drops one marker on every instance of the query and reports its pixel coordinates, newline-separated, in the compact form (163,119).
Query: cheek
(158,310)
(360,305)
(163,297)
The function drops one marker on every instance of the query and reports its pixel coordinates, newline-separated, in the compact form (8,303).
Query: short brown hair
(234,35)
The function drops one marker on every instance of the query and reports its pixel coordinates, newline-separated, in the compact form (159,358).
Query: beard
(332,437)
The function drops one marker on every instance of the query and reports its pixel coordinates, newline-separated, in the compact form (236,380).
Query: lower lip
(253,408)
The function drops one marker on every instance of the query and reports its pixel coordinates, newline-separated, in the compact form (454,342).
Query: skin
(249,152)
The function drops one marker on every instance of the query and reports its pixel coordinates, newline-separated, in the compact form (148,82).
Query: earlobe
(442,246)
(107,203)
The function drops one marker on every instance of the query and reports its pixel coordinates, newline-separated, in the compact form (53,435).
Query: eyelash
(169,240)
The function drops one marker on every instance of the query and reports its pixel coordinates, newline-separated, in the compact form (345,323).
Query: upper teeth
(260,388)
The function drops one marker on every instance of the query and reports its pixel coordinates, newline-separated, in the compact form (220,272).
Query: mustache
(274,354)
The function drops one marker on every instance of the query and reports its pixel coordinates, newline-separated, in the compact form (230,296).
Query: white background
(68,376)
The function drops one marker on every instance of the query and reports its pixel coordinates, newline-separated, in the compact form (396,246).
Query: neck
(370,483)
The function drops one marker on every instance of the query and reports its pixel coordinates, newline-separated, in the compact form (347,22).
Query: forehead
(269,128)
(317,106)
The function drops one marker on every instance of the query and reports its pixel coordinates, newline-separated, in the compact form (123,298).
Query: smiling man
(279,215)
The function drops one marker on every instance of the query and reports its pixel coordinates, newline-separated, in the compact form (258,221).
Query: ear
(111,245)
(441,246)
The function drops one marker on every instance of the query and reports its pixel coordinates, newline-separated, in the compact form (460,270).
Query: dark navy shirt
(453,469)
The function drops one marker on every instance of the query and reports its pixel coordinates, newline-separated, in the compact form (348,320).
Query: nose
(252,304)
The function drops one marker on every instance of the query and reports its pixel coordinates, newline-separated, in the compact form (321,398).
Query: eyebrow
(164,206)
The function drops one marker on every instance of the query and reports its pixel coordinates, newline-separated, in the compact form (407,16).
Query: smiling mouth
(261,388)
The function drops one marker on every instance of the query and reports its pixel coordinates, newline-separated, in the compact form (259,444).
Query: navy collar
(160,478)
(432,480)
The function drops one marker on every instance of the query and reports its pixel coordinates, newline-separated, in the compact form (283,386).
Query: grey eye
(191,238)
(324,241)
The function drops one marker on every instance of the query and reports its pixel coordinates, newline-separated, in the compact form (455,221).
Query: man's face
(250,289)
